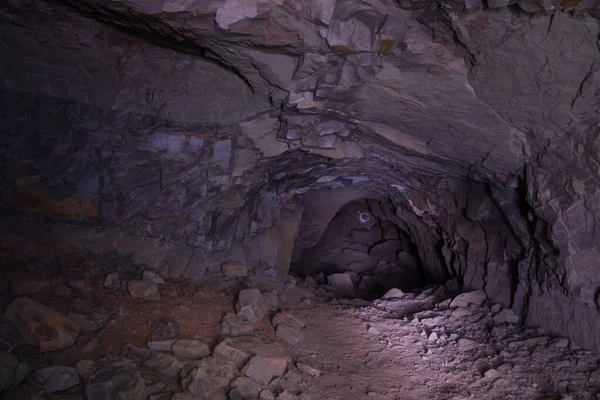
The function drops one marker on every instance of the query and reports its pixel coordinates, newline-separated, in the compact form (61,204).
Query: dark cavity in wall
(361,255)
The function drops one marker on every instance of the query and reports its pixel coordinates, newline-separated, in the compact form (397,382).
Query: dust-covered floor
(287,339)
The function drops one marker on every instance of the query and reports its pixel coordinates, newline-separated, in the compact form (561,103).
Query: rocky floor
(126,334)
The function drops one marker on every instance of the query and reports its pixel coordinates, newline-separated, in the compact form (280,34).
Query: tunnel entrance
(362,255)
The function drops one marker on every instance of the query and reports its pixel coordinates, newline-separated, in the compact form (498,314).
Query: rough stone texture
(244,389)
(264,369)
(8,367)
(54,379)
(198,129)
(234,269)
(90,315)
(144,289)
(342,283)
(41,326)
(289,334)
(476,297)
(235,325)
(211,379)
(190,349)
(251,305)
(113,378)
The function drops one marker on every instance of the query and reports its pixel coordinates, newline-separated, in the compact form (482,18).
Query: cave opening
(361,254)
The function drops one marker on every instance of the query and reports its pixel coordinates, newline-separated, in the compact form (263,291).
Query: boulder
(271,300)
(342,283)
(506,317)
(235,325)
(41,325)
(83,367)
(114,378)
(264,369)
(54,379)
(112,281)
(190,349)
(164,332)
(291,335)
(244,388)
(393,293)
(144,289)
(211,379)
(81,285)
(251,305)
(162,363)
(476,297)
(234,269)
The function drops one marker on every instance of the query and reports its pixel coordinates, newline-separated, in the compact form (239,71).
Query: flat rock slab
(233,269)
(387,250)
(506,317)
(342,283)
(144,289)
(114,378)
(251,305)
(190,349)
(41,325)
(476,297)
(54,379)
(264,369)
(285,318)
(289,334)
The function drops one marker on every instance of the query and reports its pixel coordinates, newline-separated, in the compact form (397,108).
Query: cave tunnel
(296,200)
(362,254)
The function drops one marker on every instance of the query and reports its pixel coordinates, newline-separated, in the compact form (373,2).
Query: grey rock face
(479,124)
(144,289)
(190,349)
(54,379)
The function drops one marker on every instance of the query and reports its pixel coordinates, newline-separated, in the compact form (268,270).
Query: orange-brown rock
(42,326)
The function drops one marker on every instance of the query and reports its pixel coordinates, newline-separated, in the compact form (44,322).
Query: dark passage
(361,255)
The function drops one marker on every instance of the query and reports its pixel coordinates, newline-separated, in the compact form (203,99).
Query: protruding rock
(506,317)
(239,350)
(251,305)
(342,283)
(190,349)
(164,333)
(163,363)
(152,276)
(285,318)
(81,285)
(113,378)
(112,281)
(476,297)
(235,325)
(54,379)
(264,369)
(211,379)
(41,325)
(266,395)
(307,369)
(144,289)
(234,269)
(393,293)
(291,335)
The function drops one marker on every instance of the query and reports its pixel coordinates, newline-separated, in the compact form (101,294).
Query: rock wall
(209,125)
